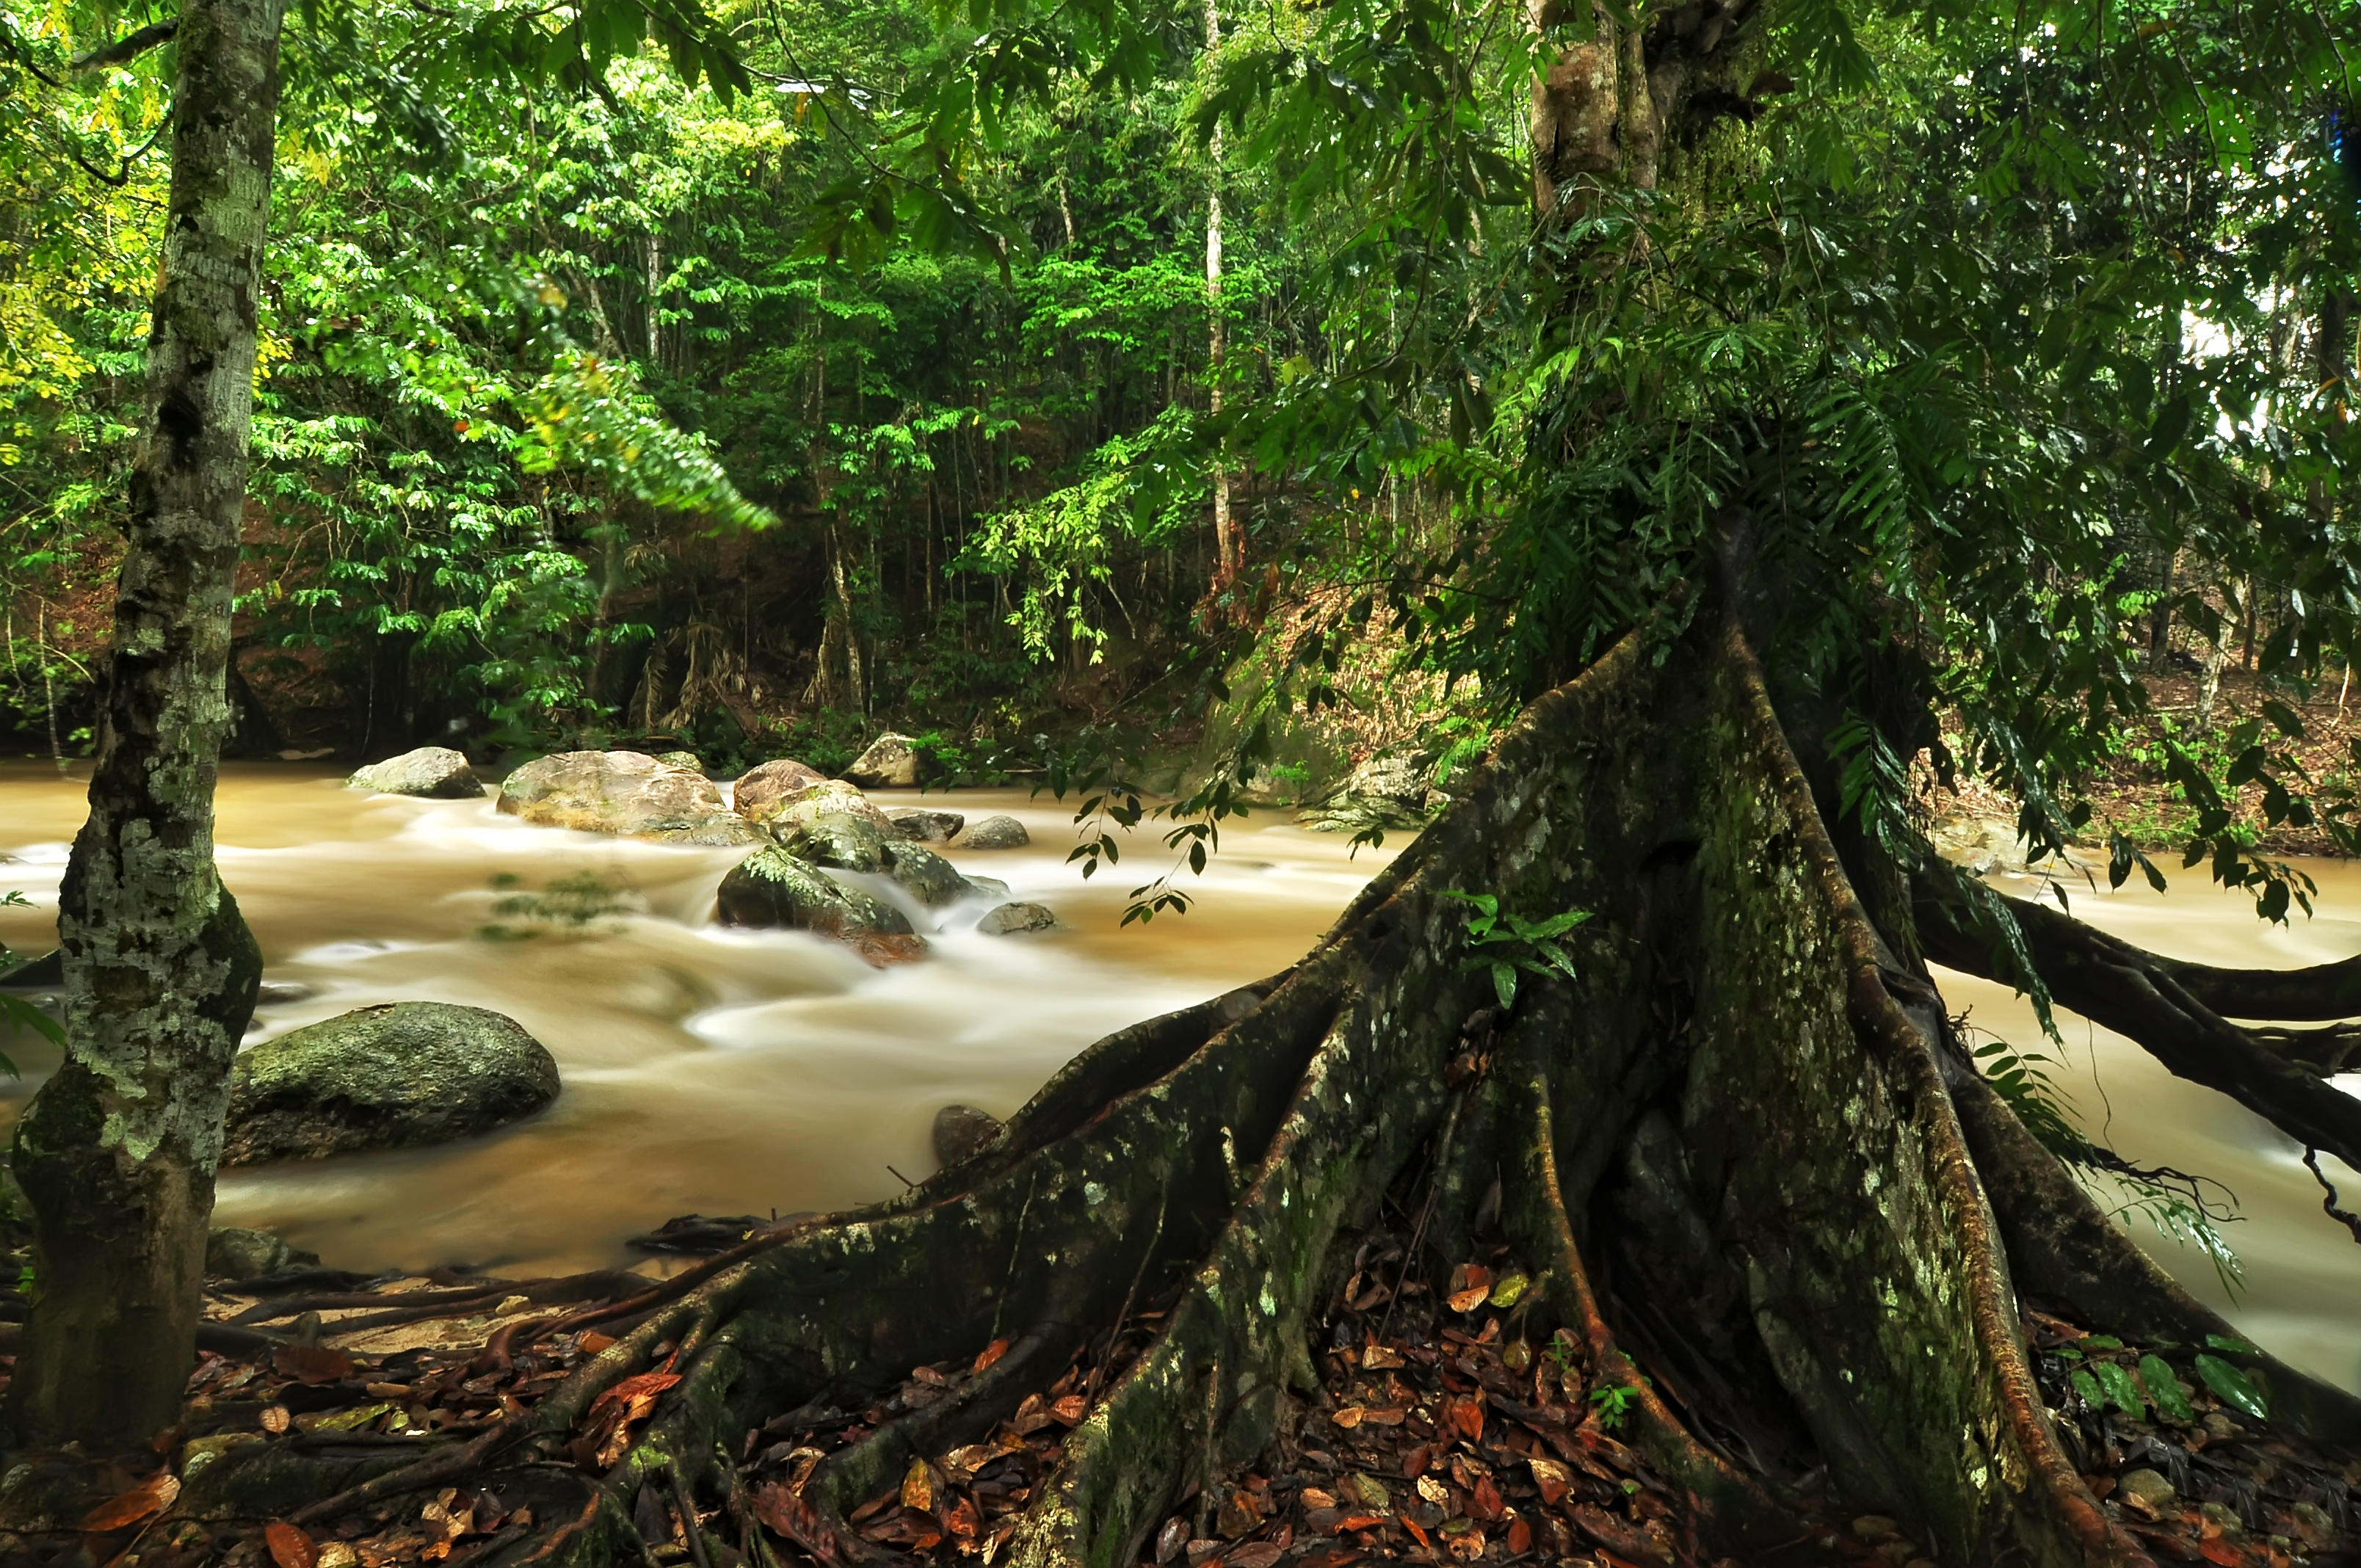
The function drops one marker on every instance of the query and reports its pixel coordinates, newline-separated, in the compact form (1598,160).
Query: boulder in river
(829,798)
(962,1130)
(687,761)
(892,762)
(758,787)
(628,793)
(931,879)
(772,887)
(394,1076)
(431,772)
(996,833)
(1010,919)
(926,827)
(838,839)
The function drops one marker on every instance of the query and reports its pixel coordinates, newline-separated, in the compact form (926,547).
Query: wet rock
(990,886)
(996,833)
(1384,792)
(759,786)
(773,888)
(931,879)
(838,838)
(432,773)
(926,827)
(234,1254)
(686,761)
(44,973)
(1012,918)
(892,762)
(960,1130)
(629,792)
(829,798)
(395,1075)
(2147,1486)
(697,1235)
(281,992)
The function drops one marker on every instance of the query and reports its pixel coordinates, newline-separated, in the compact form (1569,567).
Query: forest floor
(1449,1429)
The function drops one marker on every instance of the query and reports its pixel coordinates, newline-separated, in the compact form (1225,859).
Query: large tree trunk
(118,1152)
(1747,1109)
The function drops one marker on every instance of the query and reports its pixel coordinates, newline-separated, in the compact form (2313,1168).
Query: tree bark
(118,1152)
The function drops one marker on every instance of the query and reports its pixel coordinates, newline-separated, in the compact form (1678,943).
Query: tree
(118,1150)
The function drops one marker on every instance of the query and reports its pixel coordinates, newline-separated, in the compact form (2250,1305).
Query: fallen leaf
(1329,1557)
(989,1354)
(1238,1516)
(1412,1526)
(1520,1537)
(918,1488)
(1030,1417)
(1468,1300)
(592,1342)
(1313,1498)
(2220,1551)
(1071,1409)
(793,1517)
(1470,1283)
(1374,1357)
(1554,1479)
(1464,1416)
(289,1546)
(1432,1489)
(1171,1539)
(1384,1415)
(1254,1554)
(1349,1417)
(1467,1545)
(1371,1491)
(1485,1502)
(313,1363)
(152,1495)
(1365,1521)
(275,1420)
(960,1519)
(647,1385)
(1510,1288)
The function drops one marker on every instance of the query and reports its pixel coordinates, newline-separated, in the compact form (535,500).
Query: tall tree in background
(118,1150)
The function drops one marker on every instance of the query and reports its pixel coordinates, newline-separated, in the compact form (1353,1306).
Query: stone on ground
(931,879)
(960,1130)
(840,838)
(235,1254)
(829,798)
(892,762)
(687,761)
(996,833)
(773,888)
(1012,918)
(926,827)
(395,1075)
(431,772)
(759,786)
(629,792)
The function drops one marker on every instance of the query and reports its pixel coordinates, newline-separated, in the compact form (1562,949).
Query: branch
(130,47)
(2322,990)
(2136,993)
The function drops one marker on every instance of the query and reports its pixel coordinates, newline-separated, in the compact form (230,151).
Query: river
(723,1073)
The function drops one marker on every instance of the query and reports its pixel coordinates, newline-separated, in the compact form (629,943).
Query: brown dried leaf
(1254,1554)
(591,1341)
(989,1354)
(1071,1409)
(1384,1415)
(1465,1416)
(918,1488)
(1377,1356)
(313,1363)
(275,1420)
(1030,1417)
(1554,1479)
(152,1495)
(1349,1417)
(289,1546)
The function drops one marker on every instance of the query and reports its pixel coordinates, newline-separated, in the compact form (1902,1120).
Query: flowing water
(724,1072)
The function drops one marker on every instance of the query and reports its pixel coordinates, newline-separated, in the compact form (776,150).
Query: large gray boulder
(390,1077)
(773,888)
(892,762)
(996,833)
(927,876)
(431,772)
(1012,919)
(628,793)
(926,827)
(758,787)
(783,813)
(840,838)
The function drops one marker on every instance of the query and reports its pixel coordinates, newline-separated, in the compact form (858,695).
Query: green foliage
(567,906)
(1532,947)
(2231,1386)
(1611,1404)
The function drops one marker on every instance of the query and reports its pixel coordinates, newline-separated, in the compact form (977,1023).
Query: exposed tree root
(1765,1195)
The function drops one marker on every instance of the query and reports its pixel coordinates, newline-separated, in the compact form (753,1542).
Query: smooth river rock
(926,827)
(996,833)
(758,787)
(925,875)
(394,1076)
(840,838)
(629,792)
(892,762)
(960,1130)
(235,1254)
(432,773)
(1010,919)
(773,888)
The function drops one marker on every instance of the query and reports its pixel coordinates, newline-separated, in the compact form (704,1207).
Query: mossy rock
(774,888)
(841,839)
(396,1076)
(429,772)
(927,876)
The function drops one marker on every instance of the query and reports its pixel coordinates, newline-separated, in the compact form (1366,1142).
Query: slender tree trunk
(118,1152)
(1228,545)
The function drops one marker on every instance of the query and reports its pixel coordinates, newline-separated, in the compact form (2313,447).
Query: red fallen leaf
(1414,1461)
(592,1342)
(1254,1554)
(630,1389)
(1384,1416)
(1485,1503)
(1552,1478)
(1071,1409)
(2220,1551)
(1412,1526)
(989,1354)
(313,1363)
(793,1517)
(961,1518)
(289,1546)
(1363,1521)
(152,1495)
(1349,1417)
(1464,1416)
(1520,1537)
(1378,1357)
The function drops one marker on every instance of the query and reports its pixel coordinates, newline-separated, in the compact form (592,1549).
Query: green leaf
(1504,982)
(2231,1385)
(2155,1375)
(2123,1389)
(2235,1346)
(2101,1342)
(2088,1387)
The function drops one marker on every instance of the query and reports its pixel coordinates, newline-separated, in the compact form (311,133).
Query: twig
(688,1519)
(2350,1221)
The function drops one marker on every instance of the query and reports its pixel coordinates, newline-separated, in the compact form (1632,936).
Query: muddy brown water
(723,1073)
